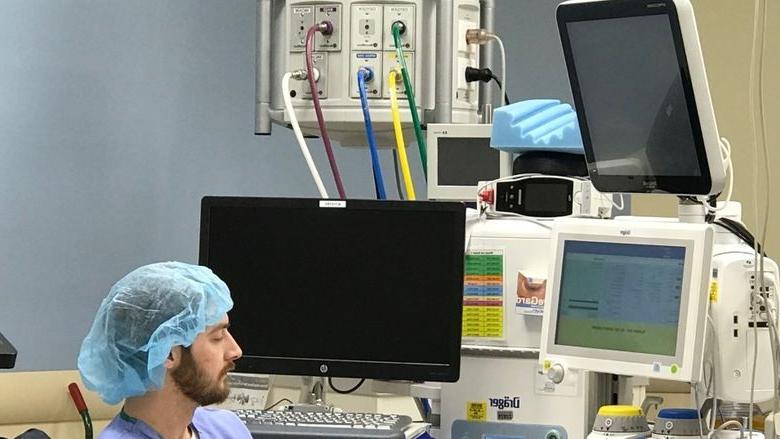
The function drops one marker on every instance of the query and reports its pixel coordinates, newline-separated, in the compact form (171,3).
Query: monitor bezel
(695,86)
(685,365)
(350,368)
(451,192)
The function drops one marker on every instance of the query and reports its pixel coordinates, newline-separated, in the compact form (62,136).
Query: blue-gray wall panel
(116,117)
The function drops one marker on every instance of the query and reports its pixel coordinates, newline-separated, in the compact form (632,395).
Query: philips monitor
(640,89)
(628,298)
(459,157)
(361,289)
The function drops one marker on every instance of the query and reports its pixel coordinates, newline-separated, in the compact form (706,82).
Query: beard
(196,385)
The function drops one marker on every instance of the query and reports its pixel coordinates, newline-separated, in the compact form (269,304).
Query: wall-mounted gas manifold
(339,40)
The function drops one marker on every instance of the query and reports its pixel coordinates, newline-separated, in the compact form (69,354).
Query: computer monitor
(628,298)
(363,289)
(459,157)
(640,90)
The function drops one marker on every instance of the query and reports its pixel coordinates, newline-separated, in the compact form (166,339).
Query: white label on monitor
(333,203)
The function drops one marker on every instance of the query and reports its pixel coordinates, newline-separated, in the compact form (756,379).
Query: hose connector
(368,73)
(475,74)
(477,36)
(398,75)
(301,74)
(325,27)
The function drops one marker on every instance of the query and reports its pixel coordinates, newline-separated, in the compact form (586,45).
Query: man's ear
(174,358)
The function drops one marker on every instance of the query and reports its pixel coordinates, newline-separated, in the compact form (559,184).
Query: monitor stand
(312,398)
(692,211)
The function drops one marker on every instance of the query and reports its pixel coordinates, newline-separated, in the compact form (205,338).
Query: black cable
(741,232)
(506,97)
(484,75)
(345,392)
(277,403)
(397,175)
(87,421)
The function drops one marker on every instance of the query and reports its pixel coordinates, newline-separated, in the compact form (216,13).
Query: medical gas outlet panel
(361,37)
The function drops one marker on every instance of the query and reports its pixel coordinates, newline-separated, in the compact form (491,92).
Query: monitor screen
(623,297)
(465,161)
(634,96)
(628,297)
(459,158)
(365,289)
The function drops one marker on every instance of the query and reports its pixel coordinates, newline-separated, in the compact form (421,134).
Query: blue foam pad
(536,125)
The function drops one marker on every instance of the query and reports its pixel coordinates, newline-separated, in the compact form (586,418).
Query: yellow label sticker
(476,410)
(547,365)
(714,290)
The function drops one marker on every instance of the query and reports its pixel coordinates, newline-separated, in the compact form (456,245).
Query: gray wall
(116,117)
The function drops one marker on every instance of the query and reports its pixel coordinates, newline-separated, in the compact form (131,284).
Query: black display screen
(370,290)
(635,103)
(547,196)
(465,161)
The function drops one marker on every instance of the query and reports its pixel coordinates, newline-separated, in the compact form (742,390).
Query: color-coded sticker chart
(483,294)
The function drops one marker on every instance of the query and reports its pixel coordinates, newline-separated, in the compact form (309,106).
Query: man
(160,341)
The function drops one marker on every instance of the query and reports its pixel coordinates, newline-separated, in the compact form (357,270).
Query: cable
(740,231)
(318,108)
(757,55)
(611,199)
(732,423)
(725,147)
(399,138)
(481,37)
(397,172)
(299,135)
(696,399)
(767,170)
(397,29)
(81,407)
(348,391)
(503,61)
(277,403)
(484,75)
(714,374)
(774,341)
(495,78)
(379,184)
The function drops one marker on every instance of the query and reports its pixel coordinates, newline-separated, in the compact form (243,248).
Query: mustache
(229,368)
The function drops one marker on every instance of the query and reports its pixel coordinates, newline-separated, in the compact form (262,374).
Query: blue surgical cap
(146,314)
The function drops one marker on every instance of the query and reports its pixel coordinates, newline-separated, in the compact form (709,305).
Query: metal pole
(442,112)
(263,68)
(487,17)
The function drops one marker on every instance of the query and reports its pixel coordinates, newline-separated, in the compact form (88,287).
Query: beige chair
(41,400)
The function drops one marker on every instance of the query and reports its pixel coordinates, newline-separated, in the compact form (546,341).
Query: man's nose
(234,352)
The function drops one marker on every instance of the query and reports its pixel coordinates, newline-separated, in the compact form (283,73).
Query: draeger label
(302,10)
(505,403)
(366,55)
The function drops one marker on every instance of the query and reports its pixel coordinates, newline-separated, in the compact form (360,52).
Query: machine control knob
(679,422)
(556,372)
(615,420)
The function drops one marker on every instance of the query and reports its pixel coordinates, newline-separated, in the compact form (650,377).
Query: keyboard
(304,425)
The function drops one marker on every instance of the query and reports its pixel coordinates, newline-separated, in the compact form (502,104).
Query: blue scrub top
(209,424)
